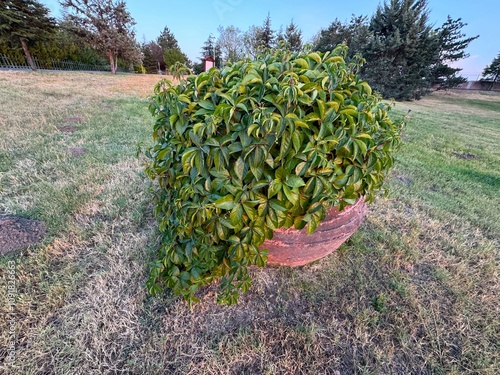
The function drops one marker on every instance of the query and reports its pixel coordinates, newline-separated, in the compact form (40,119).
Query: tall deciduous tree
(25,22)
(452,45)
(251,41)
(107,25)
(230,42)
(401,49)
(492,72)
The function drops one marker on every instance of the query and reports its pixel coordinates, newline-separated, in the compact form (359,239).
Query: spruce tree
(401,49)
(265,34)
(167,40)
(210,48)
(293,37)
(354,33)
(452,45)
(25,22)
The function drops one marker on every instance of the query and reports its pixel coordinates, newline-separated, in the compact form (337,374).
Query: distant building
(208,62)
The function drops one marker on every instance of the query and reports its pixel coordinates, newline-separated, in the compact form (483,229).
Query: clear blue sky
(193,21)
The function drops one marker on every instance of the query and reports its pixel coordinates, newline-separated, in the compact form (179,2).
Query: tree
(265,34)
(452,45)
(492,72)
(251,41)
(107,25)
(212,49)
(401,49)
(167,40)
(149,60)
(231,43)
(172,56)
(355,34)
(293,37)
(25,22)
(168,43)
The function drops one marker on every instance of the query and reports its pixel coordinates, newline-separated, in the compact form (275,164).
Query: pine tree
(401,49)
(212,49)
(172,56)
(492,72)
(167,40)
(107,26)
(25,22)
(149,61)
(265,34)
(452,45)
(355,34)
(293,37)
(169,47)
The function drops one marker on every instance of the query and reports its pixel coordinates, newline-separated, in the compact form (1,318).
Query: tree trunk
(27,54)
(112,62)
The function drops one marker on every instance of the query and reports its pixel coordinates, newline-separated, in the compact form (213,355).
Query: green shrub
(257,146)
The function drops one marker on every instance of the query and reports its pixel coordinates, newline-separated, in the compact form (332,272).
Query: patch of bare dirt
(464,156)
(17,233)
(66,129)
(77,151)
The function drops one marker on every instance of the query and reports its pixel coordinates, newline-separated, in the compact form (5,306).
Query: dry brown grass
(415,290)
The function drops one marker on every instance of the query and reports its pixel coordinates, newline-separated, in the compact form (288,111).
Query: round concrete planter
(291,247)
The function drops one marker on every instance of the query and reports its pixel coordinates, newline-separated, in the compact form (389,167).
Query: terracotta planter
(291,247)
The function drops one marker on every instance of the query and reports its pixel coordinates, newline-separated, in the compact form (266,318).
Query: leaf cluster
(260,145)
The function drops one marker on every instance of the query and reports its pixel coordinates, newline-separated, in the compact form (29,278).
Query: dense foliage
(406,55)
(257,146)
(23,22)
(107,25)
(492,72)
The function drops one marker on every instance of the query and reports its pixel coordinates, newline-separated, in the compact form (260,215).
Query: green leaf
(292,196)
(277,205)
(239,168)
(274,188)
(226,202)
(206,105)
(294,181)
(236,215)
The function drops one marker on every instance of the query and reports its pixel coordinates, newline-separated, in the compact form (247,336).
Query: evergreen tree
(452,45)
(265,34)
(293,37)
(149,61)
(107,25)
(167,40)
(172,56)
(401,49)
(25,22)
(355,34)
(212,49)
(169,46)
(492,72)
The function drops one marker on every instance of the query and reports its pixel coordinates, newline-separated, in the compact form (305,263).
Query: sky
(193,21)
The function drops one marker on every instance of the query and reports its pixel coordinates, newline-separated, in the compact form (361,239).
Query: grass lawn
(414,291)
